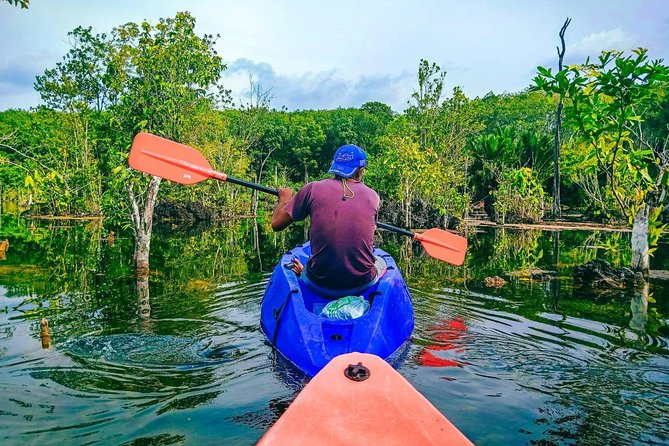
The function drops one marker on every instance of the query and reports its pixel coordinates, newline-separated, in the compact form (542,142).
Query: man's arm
(280,218)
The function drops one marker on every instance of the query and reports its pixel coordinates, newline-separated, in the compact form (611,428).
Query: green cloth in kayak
(347,307)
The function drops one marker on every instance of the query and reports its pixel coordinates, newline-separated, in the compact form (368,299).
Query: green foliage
(406,167)
(162,74)
(429,157)
(70,156)
(655,228)
(516,133)
(425,113)
(506,162)
(299,145)
(157,78)
(54,150)
(525,111)
(306,137)
(78,83)
(492,153)
(520,196)
(605,102)
(22,3)
(12,171)
(656,117)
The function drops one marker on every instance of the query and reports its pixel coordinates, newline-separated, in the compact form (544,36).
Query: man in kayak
(343,212)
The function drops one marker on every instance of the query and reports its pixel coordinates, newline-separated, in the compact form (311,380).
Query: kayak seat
(381,268)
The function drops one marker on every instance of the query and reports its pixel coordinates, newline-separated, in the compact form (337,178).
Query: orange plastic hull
(381,410)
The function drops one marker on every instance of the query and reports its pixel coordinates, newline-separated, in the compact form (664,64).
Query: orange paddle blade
(170,160)
(443,245)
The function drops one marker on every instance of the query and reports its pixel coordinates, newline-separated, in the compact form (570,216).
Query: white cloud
(318,90)
(593,44)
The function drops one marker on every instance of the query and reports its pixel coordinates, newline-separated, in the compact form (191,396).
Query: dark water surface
(181,359)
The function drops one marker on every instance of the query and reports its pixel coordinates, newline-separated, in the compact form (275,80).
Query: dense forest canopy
(445,152)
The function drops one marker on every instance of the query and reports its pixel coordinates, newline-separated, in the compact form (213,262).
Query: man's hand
(296,266)
(280,218)
(285,194)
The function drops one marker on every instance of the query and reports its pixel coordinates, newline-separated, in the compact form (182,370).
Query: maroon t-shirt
(342,231)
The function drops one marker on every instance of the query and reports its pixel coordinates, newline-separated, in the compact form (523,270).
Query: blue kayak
(291,320)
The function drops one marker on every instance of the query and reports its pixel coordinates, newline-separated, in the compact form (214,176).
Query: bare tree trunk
(557,209)
(254,204)
(142,222)
(640,257)
(407,206)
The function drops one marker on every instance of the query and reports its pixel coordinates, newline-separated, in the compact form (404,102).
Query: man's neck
(354,179)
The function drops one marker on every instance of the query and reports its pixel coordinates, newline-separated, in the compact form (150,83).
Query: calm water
(181,359)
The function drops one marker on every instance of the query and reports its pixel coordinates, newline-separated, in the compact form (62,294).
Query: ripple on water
(141,349)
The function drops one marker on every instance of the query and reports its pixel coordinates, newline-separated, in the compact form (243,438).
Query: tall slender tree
(163,75)
(557,208)
(76,87)
(440,127)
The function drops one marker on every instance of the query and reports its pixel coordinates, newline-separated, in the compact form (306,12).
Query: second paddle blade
(444,245)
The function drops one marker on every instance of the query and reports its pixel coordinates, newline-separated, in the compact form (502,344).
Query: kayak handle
(357,372)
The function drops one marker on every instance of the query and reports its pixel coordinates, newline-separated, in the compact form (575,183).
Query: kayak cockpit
(291,320)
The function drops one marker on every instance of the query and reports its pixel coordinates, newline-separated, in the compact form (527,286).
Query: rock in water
(600,274)
(494,282)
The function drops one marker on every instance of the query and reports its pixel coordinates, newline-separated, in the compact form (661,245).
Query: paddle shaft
(255,186)
(395,229)
(210,172)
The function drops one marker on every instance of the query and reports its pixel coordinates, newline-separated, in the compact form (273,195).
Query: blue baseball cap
(347,160)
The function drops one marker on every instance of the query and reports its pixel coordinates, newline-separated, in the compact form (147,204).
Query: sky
(323,54)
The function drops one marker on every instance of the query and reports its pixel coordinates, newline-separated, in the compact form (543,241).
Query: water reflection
(448,341)
(44,335)
(639,308)
(4,246)
(144,301)
(178,356)
(545,376)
